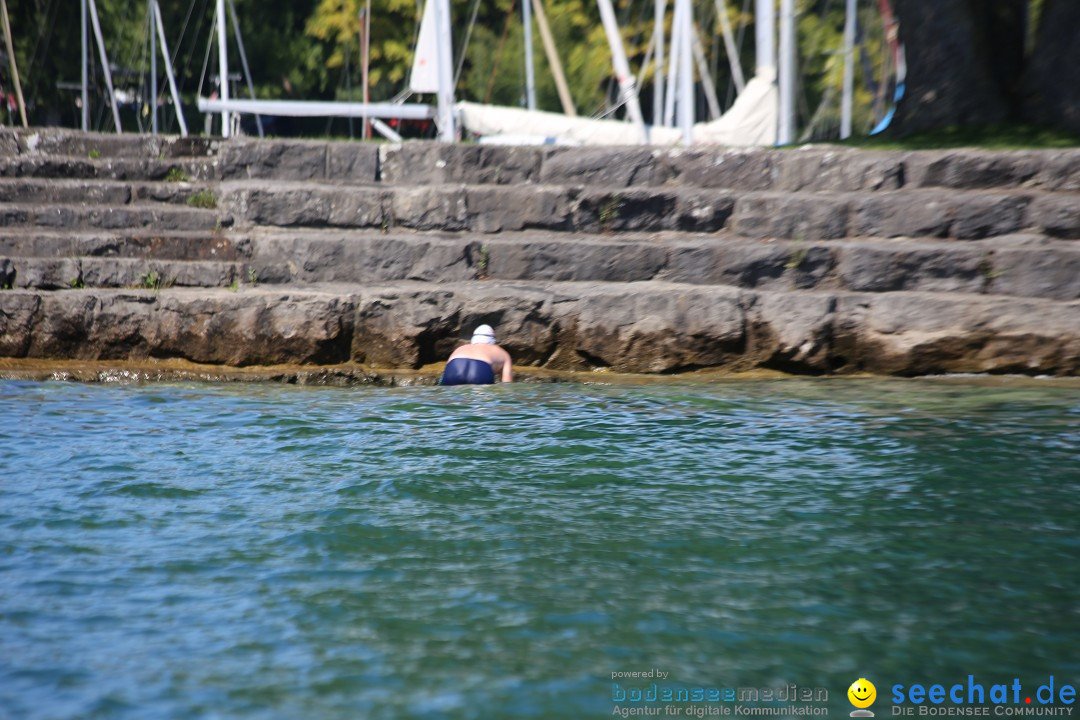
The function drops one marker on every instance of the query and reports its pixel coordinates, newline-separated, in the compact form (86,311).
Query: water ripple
(280,552)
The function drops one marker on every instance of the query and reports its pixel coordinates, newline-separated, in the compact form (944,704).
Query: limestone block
(780,215)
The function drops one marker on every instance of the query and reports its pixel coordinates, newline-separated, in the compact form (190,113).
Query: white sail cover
(493,121)
(424,77)
(751,121)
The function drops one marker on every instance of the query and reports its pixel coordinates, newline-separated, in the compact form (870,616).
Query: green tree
(978,66)
(335,26)
(47,45)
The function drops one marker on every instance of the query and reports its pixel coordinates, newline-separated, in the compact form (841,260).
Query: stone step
(65,154)
(160,217)
(962,215)
(478,208)
(809,168)
(629,327)
(59,273)
(41,191)
(147,243)
(487,209)
(1021,265)
(65,192)
(88,167)
(58,141)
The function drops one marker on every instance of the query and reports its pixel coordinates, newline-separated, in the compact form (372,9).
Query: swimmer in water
(479,362)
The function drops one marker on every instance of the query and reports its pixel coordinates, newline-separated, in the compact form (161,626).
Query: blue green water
(243,551)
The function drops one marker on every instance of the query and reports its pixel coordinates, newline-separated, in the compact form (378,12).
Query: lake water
(253,551)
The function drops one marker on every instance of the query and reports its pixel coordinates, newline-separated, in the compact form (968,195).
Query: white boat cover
(751,121)
(424,77)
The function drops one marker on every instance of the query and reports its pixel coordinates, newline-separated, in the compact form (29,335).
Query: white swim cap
(483,335)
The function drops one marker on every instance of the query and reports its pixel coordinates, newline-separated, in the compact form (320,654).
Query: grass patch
(152,280)
(609,212)
(176,174)
(76,283)
(94,154)
(483,259)
(203,199)
(987,269)
(798,254)
(989,137)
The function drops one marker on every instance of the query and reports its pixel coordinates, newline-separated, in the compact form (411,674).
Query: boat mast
(729,45)
(365,59)
(627,90)
(849,70)
(445,70)
(153,72)
(786,134)
(85,73)
(658,73)
(530,77)
(765,41)
(169,69)
(223,65)
(686,71)
(673,67)
(553,59)
(105,64)
(14,65)
(707,84)
(244,62)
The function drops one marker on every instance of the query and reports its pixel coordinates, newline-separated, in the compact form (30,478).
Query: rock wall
(818,260)
(632,327)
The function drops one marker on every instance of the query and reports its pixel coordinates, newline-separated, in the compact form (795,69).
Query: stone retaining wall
(627,327)
(815,260)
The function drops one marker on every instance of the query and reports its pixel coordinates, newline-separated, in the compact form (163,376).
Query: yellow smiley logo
(862,693)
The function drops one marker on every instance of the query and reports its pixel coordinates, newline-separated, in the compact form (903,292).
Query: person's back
(478,363)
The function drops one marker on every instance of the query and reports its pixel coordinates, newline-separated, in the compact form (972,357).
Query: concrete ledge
(61,141)
(149,243)
(431,163)
(1019,265)
(1057,215)
(810,168)
(628,327)
(926,213)
(221,328)
(160,217)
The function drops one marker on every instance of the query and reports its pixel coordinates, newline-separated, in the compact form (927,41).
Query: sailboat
(751,121)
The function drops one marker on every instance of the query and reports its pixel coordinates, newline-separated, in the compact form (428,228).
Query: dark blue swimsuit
(467,371)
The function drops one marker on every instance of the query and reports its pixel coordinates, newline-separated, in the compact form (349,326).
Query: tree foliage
(336,26)
(310,49)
